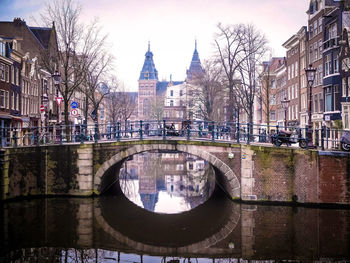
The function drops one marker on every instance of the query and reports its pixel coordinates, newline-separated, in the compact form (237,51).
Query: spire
(195,66)
(149,70)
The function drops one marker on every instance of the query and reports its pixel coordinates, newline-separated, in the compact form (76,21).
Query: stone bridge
(247,172)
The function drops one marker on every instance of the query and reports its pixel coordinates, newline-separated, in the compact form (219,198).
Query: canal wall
(248,172)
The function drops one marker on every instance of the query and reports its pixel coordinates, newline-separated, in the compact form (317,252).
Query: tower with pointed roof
(195,66)
(147,85)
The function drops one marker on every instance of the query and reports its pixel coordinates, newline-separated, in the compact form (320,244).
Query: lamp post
(285,104)
(310,76)
(57,81)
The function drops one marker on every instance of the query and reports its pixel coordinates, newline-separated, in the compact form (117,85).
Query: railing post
(259,131)
(141,138)
(200,130)
(118,131)
(188,130)
(164,131)
(238,133)
(217,131)
(131,130)
(96,133)
(15,138)
(212,131)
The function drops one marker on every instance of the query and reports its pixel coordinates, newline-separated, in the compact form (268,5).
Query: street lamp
(57,81)
(285,104)
(310,76)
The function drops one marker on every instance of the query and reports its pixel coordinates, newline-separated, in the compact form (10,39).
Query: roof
(162,86)
(42,34)
(195,66)
(149,70)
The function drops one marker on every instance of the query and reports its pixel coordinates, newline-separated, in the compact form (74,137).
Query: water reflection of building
(178,174)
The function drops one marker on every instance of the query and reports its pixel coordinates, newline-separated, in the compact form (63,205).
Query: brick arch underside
(230,181)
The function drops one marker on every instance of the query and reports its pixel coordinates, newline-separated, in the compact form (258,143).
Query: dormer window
(146,75)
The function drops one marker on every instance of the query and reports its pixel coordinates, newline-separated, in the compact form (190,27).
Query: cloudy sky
(172,26)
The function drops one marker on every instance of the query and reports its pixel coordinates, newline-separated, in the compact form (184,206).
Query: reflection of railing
(233,132)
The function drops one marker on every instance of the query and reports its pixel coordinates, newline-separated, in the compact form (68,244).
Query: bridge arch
(230,181)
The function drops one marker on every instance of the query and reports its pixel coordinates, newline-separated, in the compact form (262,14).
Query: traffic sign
(59,100)
(74,112)
(74,105)
(42,108)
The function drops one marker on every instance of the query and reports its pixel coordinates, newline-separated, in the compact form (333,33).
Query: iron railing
(233,132)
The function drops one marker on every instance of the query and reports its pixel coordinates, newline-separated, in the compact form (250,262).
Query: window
(292,74)
(320,25)
(272,115)
(311,30)
(171,103)
(321,102)
(2,99)
(316,109)
(320,47)
(296,91)
(320,75)
(345,115)
(336,98)
(327,65)
(343,81)
(2,71)
(328,99)
(310,54)
(316,51)
(296,69)
(333,31)
(272,99)
(315,28)
(181,93)
(171,93)
(336,64)
(7,73)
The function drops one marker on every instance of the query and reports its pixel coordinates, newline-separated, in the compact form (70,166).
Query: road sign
(74,105)
(42,108)
(74,112)
(59,100)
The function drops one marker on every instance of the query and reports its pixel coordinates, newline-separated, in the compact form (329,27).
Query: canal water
(166,207)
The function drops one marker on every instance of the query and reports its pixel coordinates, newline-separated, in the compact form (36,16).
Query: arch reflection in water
(167,182)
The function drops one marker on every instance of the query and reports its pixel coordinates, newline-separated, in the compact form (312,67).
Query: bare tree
(239,47)
(99,63)
(78,50)
(210,93)
(156,108)
(255,48)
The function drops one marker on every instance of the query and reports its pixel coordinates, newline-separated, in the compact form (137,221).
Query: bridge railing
(233,132)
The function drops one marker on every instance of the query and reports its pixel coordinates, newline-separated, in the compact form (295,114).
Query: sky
(172,26)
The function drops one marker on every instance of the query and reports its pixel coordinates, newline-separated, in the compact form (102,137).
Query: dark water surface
(113,229)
